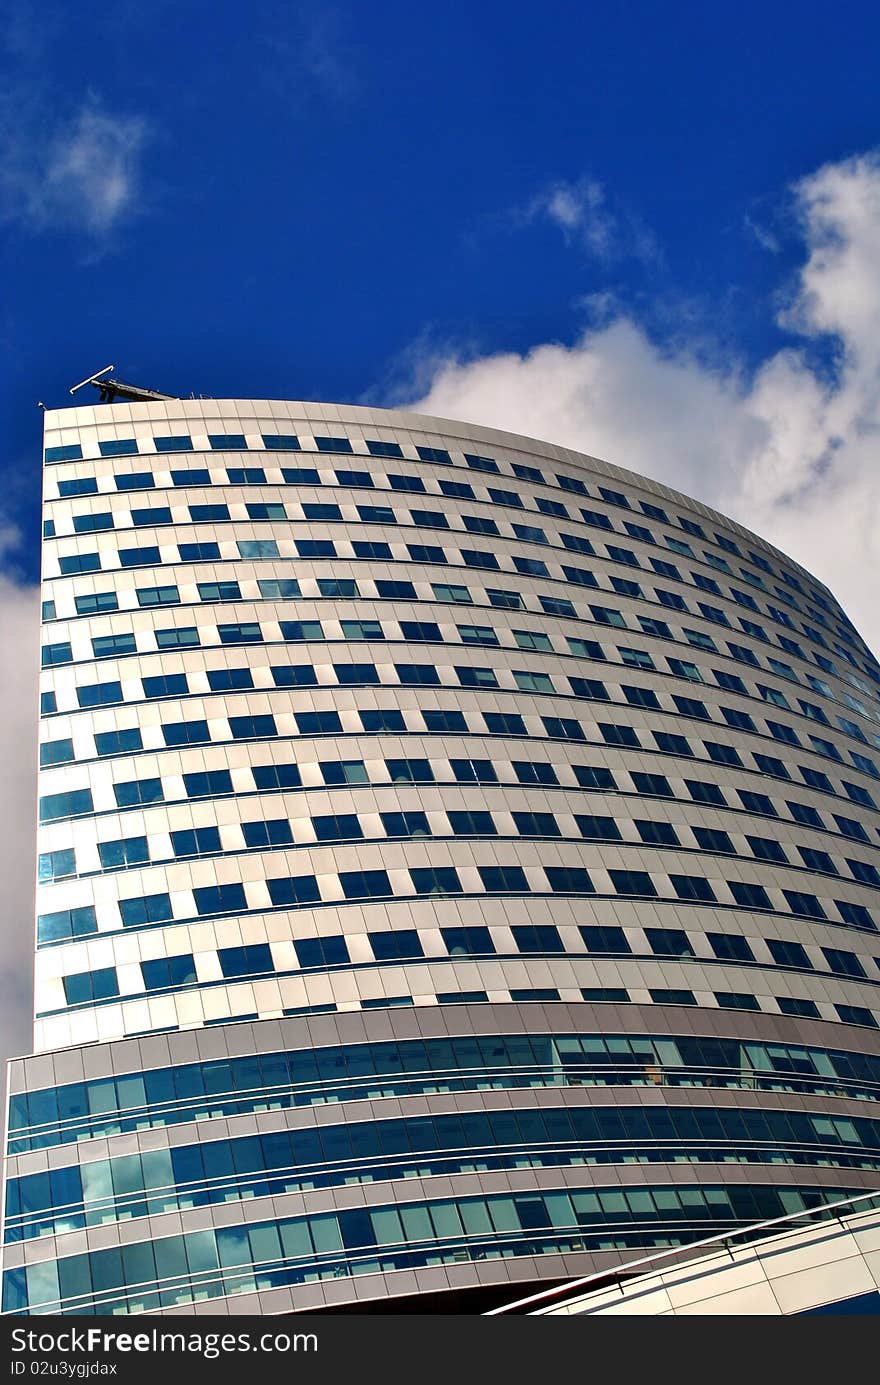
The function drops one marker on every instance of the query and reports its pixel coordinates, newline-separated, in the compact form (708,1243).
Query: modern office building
(459,870)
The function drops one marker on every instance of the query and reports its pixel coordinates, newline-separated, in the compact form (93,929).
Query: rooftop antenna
(112,389)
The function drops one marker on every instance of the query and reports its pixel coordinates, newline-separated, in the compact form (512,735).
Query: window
(229,679)
(856,1014)
(672,744)
(472,940)
(713,839)
(865,872)
(219,591)
(453,722)
(563,728)
(730,947)
(72,452)
(768,764)
(127,851)
(592,689)
(805,905)
(504,724)
(258,548)
(343,771)
(248,727)
(474,771)
(804,1009)
(274,832)
(478,524)
(157,515)
(652,785)
(537,938)
(766,849)
(669,942)
(606,938)
(356,675)
(607,615)
(473,823)
(618,735)
(330,951)
(641,697)
(382,719)
(220,899)
(597,828)
(196,841)
(429,519)
(54,654)
(757,803)
(398,482)
(569,880)
(410,824)
(252,959)
(702,792)
(318,723)
(167,972)
(185,637)
(111,646)
(693,887)
(150,908)
(79,562)
(856,915)
(435,880)
(534,772)
(636,658)
(276,777)
(749,896)
(138,793)
(656,833)
(121,742)
(409,771)
(292,630)
(186,733)
(503,879)
(533,682)
(736,1000)
(419,552)
(55,753)
(632,882)
(477,634)
(536,824)
(88,986)
(365,884)
(209,783)
(198,552)
(66,924)
(293,889)
(56,865)
(844,963)
(531,639)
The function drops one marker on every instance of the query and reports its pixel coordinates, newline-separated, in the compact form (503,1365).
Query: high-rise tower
(458,868)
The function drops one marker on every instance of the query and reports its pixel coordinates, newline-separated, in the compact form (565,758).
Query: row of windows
(212,1172)
(79,563)
(256,475)
(248,727)
(256,959)
(211,1263)
(417,770)
(157,1097)
(266,834)
(439,880)
(326,512)
(150,556)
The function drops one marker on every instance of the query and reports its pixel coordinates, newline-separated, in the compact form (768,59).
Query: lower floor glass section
(211,1264)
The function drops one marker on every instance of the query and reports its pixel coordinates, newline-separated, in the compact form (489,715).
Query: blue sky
(650,232)
(313,197)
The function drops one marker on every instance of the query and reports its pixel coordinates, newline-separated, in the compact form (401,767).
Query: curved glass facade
(388,762)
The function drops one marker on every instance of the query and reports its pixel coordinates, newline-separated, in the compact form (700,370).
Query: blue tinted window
(127,851)
(138,792)
(227,441)
(281,442)
(151,908)
(118,447)
(99,694)
(179,442)
(196,841)
(252,959)
(118,742)
(72,452)
(66,924)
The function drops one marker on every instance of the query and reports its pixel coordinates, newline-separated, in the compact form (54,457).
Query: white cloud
(580,210)
(81,174)
(791,449)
